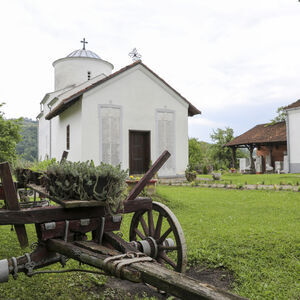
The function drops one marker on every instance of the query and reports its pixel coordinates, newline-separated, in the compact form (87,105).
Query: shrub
(84,181)
(190,174)
(204,170)
(216,176)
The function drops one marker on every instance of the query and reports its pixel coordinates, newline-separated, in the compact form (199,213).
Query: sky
(236,61)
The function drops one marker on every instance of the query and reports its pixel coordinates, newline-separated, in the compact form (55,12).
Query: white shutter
(166,140)
(110,134)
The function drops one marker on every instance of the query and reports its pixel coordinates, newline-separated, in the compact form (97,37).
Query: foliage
(199,155)
(85,181)
(190,175)
(222,156)
(24,169)
(281,116)
(42,166)
(204,170)
(9,137)
(27,148)
(195,153)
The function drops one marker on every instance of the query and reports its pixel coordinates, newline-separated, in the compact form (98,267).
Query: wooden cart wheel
(158,233)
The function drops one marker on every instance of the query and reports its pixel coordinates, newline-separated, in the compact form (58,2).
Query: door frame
(148,134)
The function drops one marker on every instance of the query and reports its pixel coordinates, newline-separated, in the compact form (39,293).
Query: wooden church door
(139,152)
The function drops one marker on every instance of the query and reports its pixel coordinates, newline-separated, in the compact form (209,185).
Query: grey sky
(237,61)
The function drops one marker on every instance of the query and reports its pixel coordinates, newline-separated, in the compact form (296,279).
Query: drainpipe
(38,133)
(50,134)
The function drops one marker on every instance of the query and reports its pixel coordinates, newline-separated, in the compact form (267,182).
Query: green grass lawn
(254,234)
(237,178)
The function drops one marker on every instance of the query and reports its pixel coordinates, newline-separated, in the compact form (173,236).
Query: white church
(129,116)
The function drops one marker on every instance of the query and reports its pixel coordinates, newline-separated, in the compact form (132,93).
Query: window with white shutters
(110,134)
(166,139)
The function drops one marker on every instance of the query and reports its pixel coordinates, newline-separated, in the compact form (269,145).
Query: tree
(27,147)
(195,153)
(221,155)
(281,116)
(9,137)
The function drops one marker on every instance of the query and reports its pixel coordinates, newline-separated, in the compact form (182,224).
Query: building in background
(130,116)
(293,136)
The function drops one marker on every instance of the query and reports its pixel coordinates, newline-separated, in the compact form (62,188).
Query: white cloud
(224,56)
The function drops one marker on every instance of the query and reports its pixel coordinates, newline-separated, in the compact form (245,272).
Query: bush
(216,176)
(204,170)
(84,181)
(190,174)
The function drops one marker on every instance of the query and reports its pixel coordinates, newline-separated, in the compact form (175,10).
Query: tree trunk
(233,157)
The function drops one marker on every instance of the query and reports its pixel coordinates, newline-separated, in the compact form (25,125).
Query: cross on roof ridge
(84,42)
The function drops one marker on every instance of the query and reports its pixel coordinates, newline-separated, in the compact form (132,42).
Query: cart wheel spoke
(164,236)
(151,223)
(158,226)
(168,260)
(139,234)
(144,225)
(161,261)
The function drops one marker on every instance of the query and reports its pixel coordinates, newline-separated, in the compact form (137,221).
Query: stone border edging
(274,187)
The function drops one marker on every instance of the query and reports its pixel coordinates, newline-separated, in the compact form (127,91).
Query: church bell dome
(83,53)
(79,66)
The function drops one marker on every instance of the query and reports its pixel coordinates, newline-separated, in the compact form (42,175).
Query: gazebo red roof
(261,134)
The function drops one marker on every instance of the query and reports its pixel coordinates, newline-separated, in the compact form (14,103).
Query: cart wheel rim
(145,225)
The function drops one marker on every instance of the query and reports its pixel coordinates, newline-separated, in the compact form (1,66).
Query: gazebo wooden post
(233,156)
(252,166)
(271,159)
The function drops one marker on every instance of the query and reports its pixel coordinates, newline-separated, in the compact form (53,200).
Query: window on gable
(68,137)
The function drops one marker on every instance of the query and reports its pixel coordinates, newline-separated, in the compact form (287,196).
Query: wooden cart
(155,254)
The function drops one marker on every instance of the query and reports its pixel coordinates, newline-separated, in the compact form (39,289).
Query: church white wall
(140,97)
(74,70)
(43,138)
(293,122)
(44,134)
(72,117)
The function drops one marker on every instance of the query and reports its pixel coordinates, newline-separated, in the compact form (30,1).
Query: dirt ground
(121,289)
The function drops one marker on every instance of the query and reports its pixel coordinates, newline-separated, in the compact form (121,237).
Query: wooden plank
(151,172)
(177,284)
(140,203)
(42,257)
(11,200)
(48,214)
(118,243)
(89,257)
(64,156)
(75,226)
(96,248)
(58,213)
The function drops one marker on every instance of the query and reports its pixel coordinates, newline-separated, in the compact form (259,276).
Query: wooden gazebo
(269,139)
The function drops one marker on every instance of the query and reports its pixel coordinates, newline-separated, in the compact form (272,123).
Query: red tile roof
(293,105)
(261,134)
(67,102)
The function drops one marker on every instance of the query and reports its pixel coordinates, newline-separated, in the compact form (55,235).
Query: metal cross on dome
(84,42)
(135,55)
